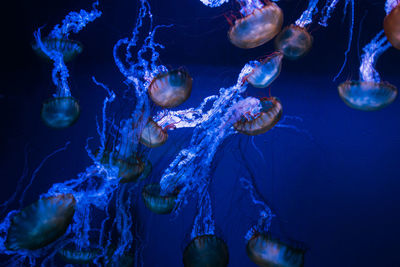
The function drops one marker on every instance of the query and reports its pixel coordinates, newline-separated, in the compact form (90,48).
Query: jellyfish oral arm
(214,3)
(306,17)
(390,4)
(327,12)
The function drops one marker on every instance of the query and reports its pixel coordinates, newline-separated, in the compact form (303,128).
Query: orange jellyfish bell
(269,115)
(391,25)
(294,41)
(170,89)
(153,135)
(257,28)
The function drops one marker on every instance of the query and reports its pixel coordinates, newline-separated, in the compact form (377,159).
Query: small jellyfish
(206,250)
(266,251)
(170,89)
(74,256)
(153,135)
(41,223)
(68,48)
(60,112)
(367,95)
(258,27)
(265,72)
(294,42)
(157,202)
(391,25)
(269,115)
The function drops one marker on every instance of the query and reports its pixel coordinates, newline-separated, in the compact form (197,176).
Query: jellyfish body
(206,250)
(157,202)
(258,27)
(68,48)
(74,256)
(367,95)
(41,223)
(266,251)
(60,112)
(153,135)
(294,42)
(264,73)
(391,25)
(269,115)
(170,89)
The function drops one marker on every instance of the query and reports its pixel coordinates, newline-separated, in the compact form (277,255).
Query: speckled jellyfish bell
(294,42)
(68,48)
(391,25)
(265,72)
(258,27)
(157,202)
(266,251)
(41,223)
(60,112)
(206,250)
(266,119)
(170,89)
(153,135)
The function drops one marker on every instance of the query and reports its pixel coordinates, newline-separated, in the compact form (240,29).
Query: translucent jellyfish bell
(367,96)
(206,250)
(265,72)
(269,115)
(257,28)
(69,48)
(153,135)
(74,256)
(41,223)
(157,202)
(266,251)
(60,112)
(171,89)
(391,25)
(294,42)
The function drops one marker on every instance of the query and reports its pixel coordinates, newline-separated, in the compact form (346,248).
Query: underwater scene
(200,133)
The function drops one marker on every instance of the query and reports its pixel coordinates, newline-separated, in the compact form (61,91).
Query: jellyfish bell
(69,48)
(266,119)
(258,27)
(294,42)
(157,202)
(60,112)
(78,256)
(266,251)
(153,135)
(170,89)
(367,96)
(41,223)
(206,250)
(391,25)
(264,73)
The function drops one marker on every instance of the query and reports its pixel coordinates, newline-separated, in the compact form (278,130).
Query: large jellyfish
(391,23)
(260,23)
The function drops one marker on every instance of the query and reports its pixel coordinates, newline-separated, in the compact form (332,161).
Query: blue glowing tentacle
(306,17)
(327,12)
(390,4)
(214,3)
(248,6)
(372,51)
(75,22)
(349,43)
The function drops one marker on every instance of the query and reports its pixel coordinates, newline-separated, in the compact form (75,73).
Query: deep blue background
(333,182)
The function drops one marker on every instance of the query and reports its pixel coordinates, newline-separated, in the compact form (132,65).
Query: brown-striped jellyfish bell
(258,27)
(153,135)
(266,71)
(170,89)
(294,42)
(259,123)
(206,250)
(391,25)
(266,251)
(157,201)
(41,223)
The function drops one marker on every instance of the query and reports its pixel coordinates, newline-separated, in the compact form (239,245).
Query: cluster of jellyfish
(60,224)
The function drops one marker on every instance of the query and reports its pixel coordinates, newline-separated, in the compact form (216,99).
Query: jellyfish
(266,251)
(369,93)
(60,112)
(153,135)
(41,223)
(255,124)
(260,24)
(75,256)
(206,250)
(68,48)
(391,23)
(265,72)
(170,89)
(295,41)
(156,201)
